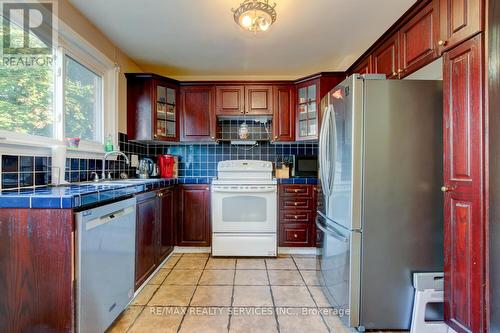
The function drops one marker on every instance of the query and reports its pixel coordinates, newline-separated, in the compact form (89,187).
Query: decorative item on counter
(108,146)
(72,142)
(244,131)
(282,170)
(58,165)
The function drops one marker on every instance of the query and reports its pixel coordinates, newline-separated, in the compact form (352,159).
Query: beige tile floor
(196,293)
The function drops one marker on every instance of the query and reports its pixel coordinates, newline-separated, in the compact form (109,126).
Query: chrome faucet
(114,152)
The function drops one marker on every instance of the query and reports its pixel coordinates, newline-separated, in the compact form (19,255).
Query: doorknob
(445,189)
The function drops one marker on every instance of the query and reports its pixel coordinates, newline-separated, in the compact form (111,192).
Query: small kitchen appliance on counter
(167,165)
(305,166)
(244,209)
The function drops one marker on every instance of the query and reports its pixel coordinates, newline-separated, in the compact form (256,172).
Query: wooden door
(386,58)
(464,187)
(259,100)
(230,100)
(198,113)
(194,216)
(364,67)
(166,219)
(460,20)
(284,113)
(146,244)
(418,39)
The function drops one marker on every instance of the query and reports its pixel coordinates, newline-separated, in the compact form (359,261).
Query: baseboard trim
(192,249)
(297,250)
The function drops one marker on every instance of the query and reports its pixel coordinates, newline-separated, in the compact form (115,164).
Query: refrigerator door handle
(322,162)
(331,232)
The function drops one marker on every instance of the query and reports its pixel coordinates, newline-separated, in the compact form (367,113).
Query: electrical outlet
(134,161)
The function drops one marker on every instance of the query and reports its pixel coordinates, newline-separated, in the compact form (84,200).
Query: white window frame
(72,44)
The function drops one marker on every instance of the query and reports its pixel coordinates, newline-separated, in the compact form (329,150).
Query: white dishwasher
(105,264)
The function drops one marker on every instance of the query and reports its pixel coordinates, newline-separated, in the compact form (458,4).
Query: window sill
(43,147)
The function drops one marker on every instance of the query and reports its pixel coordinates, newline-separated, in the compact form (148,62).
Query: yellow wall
(74,19)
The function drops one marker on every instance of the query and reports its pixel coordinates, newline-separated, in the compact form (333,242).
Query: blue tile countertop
(298,180)
(80,195)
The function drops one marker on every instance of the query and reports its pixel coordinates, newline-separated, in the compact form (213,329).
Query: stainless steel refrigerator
(380,213)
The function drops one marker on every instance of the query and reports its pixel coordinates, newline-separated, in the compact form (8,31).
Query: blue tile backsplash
(195,160)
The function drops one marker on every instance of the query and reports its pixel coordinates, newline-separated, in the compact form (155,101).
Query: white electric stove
(244,209)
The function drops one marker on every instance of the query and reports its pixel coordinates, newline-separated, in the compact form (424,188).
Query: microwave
(305,166)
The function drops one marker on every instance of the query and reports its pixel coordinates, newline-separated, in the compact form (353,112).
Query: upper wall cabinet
(418,39)
(259,100)
(460,19)
(230,100)
(152,108)
(363,67)
(244,99)
(386,58)
(308,99)
(284,113)
(197,113)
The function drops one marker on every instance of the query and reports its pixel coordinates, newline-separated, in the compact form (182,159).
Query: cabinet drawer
(295,234)
(295,216)
(296,203)
(305,191)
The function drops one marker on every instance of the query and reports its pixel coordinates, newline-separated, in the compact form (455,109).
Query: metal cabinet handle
(394,73)
(296,217)
(295,235)
(442,42)
(296,191)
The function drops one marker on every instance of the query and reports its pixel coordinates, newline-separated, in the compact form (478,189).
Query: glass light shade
(255,15)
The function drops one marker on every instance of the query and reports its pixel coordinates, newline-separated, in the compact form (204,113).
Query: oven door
(245,208)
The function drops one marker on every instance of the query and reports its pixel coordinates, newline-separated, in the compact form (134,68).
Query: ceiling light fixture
(255,15)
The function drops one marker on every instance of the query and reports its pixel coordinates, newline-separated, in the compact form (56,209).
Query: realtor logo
(27,27)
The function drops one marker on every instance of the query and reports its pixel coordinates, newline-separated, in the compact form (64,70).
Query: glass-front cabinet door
(166,112)
(307,113)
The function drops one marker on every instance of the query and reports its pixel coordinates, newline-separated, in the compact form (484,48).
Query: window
(73,94)
(82,102)
(26,94)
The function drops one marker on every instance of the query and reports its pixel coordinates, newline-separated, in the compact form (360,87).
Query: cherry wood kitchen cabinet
(237,100)
(386,57)
(193,227)
(308,99)
(284,113)
(259,99)
(309,93)
(37,270)
(146,232)
(197,116)
(152,107)
(166,222)
(297,213)
(418,39)
(464,165)
(363,67)
(460,20)
(230,100)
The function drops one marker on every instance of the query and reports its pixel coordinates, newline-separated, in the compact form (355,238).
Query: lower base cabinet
(193,228)
(145,235)
(297,214)
(154,231)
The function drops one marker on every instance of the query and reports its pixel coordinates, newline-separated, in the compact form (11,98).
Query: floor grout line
(192,296)
(154,293)
(272,298)
(232,296)
(312,297)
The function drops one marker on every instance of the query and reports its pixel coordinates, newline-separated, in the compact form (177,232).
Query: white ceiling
(195,39)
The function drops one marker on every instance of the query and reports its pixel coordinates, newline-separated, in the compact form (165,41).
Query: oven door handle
(253,190)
